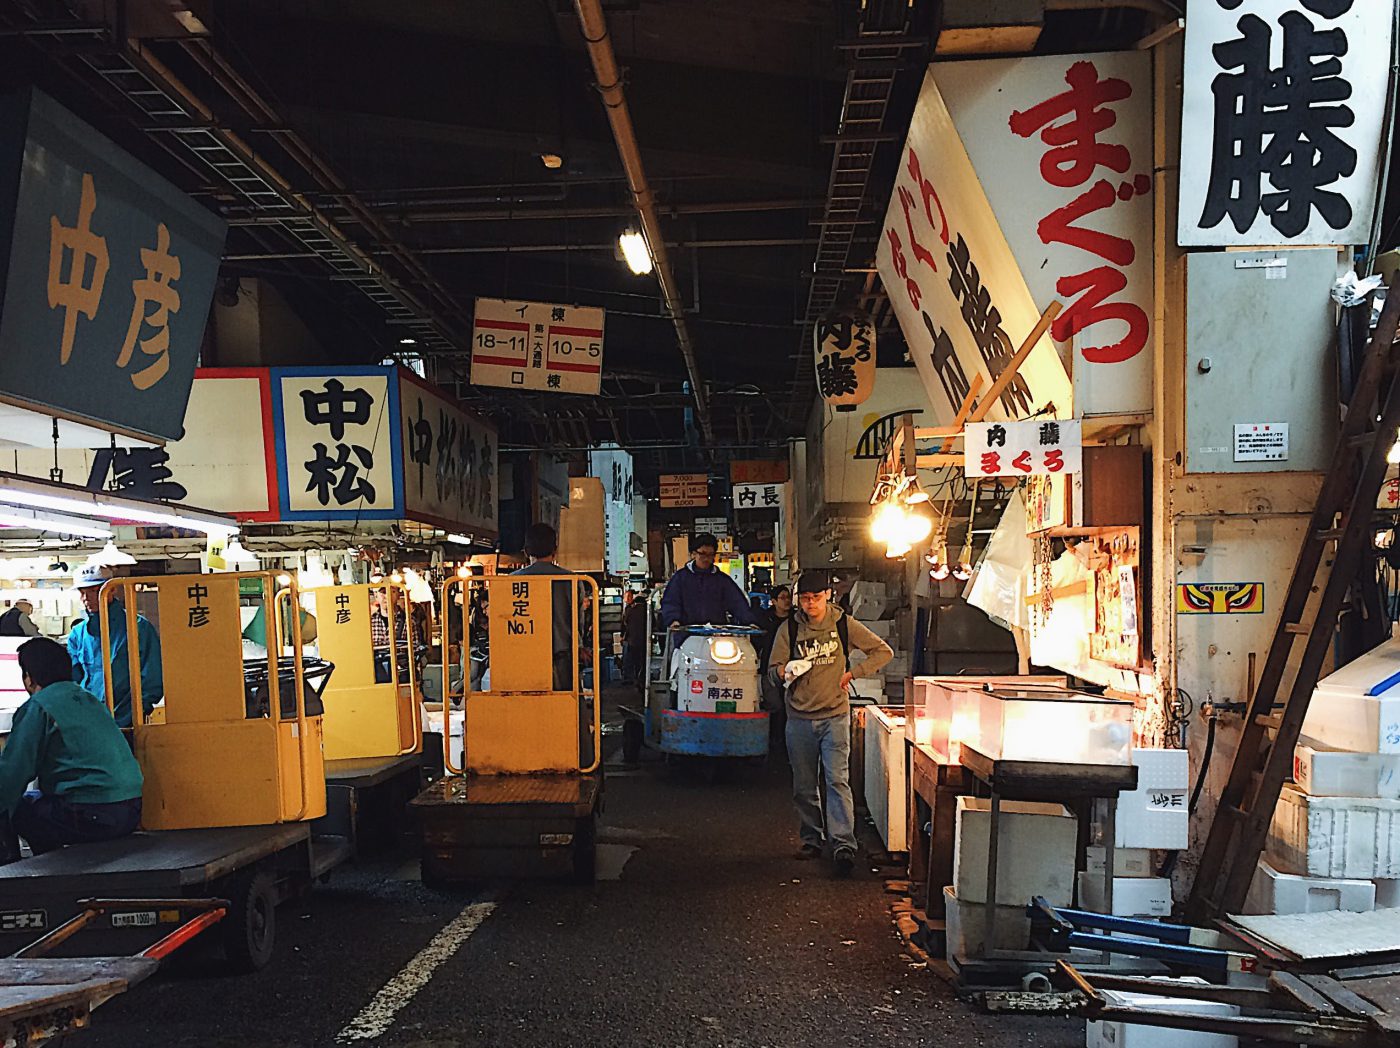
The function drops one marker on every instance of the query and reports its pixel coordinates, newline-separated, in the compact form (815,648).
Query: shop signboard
(1022,449)
(845,345)
(714,525)
(1282,110)
(338,443)
(758,496)
(844,448)
(613,466)
(758,471)
(960,299)
(1062,145)
(537,345)
(449,461)
(106,272)
(685,490)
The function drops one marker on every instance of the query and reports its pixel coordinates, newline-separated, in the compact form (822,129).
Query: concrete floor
(702,931)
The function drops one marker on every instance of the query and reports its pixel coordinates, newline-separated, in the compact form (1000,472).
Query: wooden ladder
(1343,515)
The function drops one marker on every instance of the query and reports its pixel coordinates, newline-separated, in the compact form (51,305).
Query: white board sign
(960,299)
(1022,449)
(1062,145)
(1261,442)
(758,496)
(1281,113)
(537,345)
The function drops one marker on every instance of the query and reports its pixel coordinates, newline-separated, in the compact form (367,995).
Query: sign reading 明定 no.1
(537,345)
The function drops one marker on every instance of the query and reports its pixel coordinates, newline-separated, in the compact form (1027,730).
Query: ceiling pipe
(609,81)
(1160,8)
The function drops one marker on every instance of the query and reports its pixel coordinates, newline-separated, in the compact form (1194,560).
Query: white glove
(794,669)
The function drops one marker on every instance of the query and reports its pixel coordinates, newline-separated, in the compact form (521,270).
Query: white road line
(376,1017)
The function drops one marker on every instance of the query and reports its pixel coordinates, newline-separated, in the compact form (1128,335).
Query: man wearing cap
(700,594)
(85,649)
(820,634)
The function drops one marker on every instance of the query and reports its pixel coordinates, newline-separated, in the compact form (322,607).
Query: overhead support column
(595,34)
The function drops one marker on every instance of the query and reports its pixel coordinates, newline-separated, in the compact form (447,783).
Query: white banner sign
(1281,114)
(1022,449)
(449,461)
(758,496)
(1062,145)
(962,303)
(537,345)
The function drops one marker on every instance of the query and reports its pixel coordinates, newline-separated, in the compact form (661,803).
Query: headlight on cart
(725,651)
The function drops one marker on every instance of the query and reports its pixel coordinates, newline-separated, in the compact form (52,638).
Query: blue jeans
(822,746)
(49,822)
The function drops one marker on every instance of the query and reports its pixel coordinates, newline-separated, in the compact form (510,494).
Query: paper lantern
(845,345)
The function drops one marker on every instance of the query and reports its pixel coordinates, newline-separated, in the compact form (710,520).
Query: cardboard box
(1127,862)
(1156,815)
(965,933)
(1132,896)
(1035,852)
(1284,893)
(1325,772)
(1351,837)
(1131,1035)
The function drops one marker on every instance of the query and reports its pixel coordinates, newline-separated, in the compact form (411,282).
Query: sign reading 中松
(1282,109)
(685,490)
(108,272)
(758,496)
(961,301)
(1022,449)
(1062,145)
(449,461)
(537,345)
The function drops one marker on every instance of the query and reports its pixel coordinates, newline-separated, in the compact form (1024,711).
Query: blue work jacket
(86,653)
(695,598)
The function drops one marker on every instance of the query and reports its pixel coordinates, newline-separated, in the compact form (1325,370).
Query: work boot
(845,859)
(808,851)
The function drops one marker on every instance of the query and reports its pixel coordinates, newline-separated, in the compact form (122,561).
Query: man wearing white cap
(85,649)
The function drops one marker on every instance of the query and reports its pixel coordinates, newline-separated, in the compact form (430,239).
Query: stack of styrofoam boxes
(1335,839)
(870,604)
(1116,1034)
(1035,856)
(1152,817)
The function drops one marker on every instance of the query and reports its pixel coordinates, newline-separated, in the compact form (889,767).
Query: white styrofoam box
(1346,720)
(1035,852)
(965,930)
(886,795)
(897,668)
(869,687)
(1275,892)
(1132,896)
(1335,836)
(1131,1035)
(1387,893)
(882,628)
(1325,772)
(1156,814)
(868,599)
(1127,862)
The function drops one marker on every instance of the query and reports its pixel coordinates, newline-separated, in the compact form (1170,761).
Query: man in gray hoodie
(819,713)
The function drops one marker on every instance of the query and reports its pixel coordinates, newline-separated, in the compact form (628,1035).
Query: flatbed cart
(525,798)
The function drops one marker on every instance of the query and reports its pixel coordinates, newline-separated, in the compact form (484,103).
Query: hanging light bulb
(963,569)
(939,571)
(886,524)
(914,528)
(1393,455)
(111,557)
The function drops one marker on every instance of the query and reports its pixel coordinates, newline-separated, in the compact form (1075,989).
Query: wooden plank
(1013,366)
(1343,998)
(1301,993)
(1383,992)
(58,971)
(19,1002)
(964,409)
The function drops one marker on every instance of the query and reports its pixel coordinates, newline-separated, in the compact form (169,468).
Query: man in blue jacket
(85,649)
(701,594)
(89,783)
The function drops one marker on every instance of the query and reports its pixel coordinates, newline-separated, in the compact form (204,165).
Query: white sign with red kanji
(1062,145)
(1282,111)
(537,345)
(960,298)
(1022,449)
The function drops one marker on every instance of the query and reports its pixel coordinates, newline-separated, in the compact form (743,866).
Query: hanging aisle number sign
(845,344)
(537,345)
(1022,449)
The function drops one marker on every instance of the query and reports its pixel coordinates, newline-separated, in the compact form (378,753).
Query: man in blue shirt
(700,594)
(85,649)
(89,783)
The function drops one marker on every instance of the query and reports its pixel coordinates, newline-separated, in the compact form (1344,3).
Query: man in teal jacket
(89,783)
(85,650)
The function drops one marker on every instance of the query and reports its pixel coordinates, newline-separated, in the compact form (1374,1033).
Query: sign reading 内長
(1282,108)
(537,345)
(108,272)
(1022,449)
(758,496)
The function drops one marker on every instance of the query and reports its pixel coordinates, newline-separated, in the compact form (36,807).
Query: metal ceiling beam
(609,81)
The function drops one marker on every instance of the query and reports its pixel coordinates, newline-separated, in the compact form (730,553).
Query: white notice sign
(1261,441)
(537,345)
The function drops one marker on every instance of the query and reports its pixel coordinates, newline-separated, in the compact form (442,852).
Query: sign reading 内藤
(1282,109)
(1062,145)
(449,461)
(537,345)
(1022,449)
(961,302)
(108,272)
(338,443)
(845,344)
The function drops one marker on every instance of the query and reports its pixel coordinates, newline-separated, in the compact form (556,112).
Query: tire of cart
(585,849)
(632,737)
(250,926)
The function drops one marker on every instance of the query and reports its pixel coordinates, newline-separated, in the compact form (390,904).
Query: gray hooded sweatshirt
(818,694)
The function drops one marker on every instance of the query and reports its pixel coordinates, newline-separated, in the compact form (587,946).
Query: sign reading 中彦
(1022,449)
(1062,145)
(1261,442)
(685,490)
(537,345)
(952,279)
(108,272)
(1282,108)
(758,496)
(449,461)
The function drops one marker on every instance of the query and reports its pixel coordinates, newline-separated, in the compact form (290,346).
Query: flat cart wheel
(632,737)
(250,927)
(585,849)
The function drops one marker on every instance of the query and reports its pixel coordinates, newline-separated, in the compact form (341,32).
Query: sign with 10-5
(537,345)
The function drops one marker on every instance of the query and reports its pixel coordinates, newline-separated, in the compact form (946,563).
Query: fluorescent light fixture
(68,498)
(408,342)
(635,251)
(461,540)
(14,517)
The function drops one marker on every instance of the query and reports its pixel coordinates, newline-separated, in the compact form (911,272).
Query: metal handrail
(416,720)
(105,596)
(299,683)
(447,586)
